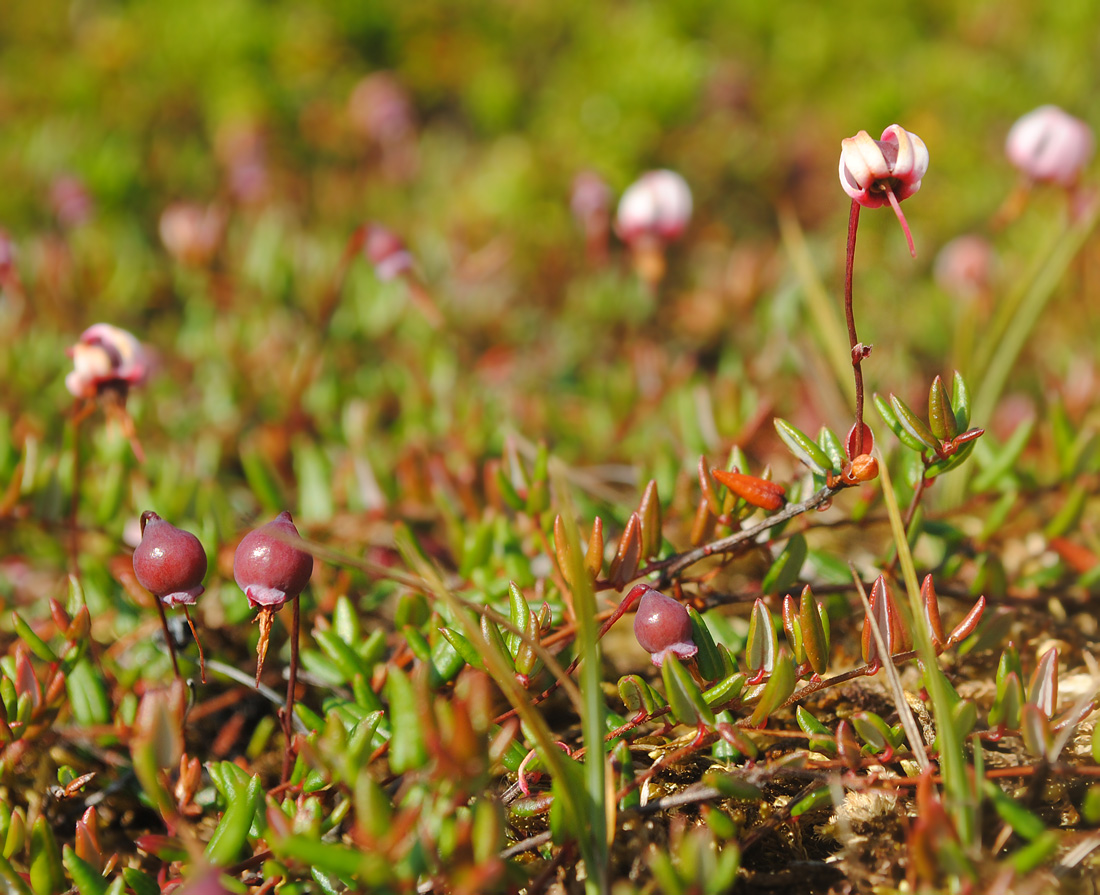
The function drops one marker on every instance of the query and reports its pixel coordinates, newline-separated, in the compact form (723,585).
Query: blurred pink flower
(71,201)
(1050,146)
(385,251)
(964,267)
(191,232)
(106,357)
(658,204)
(380,108)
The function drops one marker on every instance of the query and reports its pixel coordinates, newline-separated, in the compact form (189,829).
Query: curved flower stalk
(874,173)
(272,569)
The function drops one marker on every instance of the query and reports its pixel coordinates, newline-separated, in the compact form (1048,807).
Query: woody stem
(857,349)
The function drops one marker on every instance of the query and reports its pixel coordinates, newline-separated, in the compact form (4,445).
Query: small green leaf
(708,658)
(139,882)
(87,695)
(637,696)
(342,655)
(684,696)
(803,447)
(941,415)
(776,691)
(813,622)
(519,612)
(819,798)
(914,425)
(725,690)
(34,643)
(463,647)
(821,738)
(84,875)
(763,641)
(834,448)
(46,872)
(960,400)
(407,748)
(1036,853)
(224,847)
(891,419)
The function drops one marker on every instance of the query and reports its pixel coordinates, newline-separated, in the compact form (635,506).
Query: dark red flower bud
(663,626)
(169,562)
(269,567)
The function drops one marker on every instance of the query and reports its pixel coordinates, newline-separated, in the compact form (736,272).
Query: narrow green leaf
(87,695)
(34,643)
(339,860)
(407,748)
(708,658)
(463,647)
(1004,460)
(913,424)
(139,882)
(891,419)
(683,694)
(834,448)
(814,623)
(763,641)
(13,881)
(46,872)
(727,689)
(960,400)
(776,691)
(803,447)
(941,415)
(84,875)
(342,654)
(519,613)
(224,847)
(638,696)
(819,798)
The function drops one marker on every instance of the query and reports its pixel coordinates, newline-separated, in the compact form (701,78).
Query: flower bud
(663,627)
(380,109)
(105,357)
(1050,146)
(169,562)
(658,204)
(269,567)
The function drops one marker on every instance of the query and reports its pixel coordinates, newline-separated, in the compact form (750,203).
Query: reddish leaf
(757,491)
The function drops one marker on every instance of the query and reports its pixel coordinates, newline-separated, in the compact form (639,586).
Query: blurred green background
(249,104)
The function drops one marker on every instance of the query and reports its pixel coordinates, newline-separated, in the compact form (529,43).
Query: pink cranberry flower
(169,562)
(106,358)
(662,625)
(385,251)
(1050,146)
(964,267)
(876,172)
(191,232)
(658,204)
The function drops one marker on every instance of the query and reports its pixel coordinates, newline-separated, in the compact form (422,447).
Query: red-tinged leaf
(706,485)
(852,449)
(752,489)
(25,679)
(931,604)
(941,415)
(624,567)
(1077,556)
(702,527)
(889,620)
(763,642)
(967,436)
(649,512)
(792,629)
(966,627)
(1042,690)
(593,557)
(914,425)
(847,747)
(815,636)
(1035,730)
(1005,711)
(561,547)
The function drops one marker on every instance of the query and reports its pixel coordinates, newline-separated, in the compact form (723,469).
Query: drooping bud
(169,563)
(1050,146)
(663,627)
(269,566)
(385,251)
